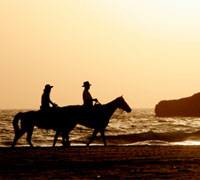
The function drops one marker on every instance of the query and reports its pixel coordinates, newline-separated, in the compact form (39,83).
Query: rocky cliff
(189,106)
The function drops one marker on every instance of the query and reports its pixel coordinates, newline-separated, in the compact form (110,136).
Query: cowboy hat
(48,86)
(86,83)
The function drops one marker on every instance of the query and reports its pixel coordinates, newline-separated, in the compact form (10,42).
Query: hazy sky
(147,50)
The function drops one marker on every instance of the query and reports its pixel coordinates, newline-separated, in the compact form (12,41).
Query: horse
(96,117)
(43,120)
(64,119)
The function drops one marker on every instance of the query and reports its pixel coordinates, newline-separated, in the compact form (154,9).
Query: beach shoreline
(97,162)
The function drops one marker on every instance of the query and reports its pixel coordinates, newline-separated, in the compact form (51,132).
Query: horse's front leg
(67,143)
(103,137)
(93,136)
(65,139)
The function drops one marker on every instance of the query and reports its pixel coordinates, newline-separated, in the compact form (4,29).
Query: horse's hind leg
(29,135)
(93,136)
(55,138)
(103,137)
(18,135)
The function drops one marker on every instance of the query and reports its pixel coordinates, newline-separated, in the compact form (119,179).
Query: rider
(45,101)
(87,98)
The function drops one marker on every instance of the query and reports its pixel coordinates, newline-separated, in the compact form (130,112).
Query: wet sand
(113,162)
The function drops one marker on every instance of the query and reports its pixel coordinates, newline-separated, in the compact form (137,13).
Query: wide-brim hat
(86,83)
(48,86)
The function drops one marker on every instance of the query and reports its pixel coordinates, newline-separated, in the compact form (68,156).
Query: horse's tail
(15,122)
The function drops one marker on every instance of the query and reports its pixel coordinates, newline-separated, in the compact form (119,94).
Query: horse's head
(122,104)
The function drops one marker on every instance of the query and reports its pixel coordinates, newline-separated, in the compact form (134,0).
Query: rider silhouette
(87,98)
(45,101)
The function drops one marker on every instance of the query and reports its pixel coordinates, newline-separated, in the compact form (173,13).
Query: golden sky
(147,50)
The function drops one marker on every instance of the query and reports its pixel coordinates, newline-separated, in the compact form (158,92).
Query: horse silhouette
(64,119)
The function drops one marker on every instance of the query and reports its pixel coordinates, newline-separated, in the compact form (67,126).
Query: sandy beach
(96,162)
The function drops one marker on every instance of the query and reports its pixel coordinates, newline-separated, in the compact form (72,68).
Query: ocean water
(140,127)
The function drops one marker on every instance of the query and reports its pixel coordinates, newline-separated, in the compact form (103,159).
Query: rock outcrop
(189,106)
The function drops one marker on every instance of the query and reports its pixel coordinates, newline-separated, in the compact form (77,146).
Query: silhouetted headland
(187,107)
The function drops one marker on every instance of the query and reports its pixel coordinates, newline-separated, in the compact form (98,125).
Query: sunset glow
(147,50)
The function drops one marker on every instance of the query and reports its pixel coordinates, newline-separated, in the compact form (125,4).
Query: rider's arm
(96,100)
(51,102)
